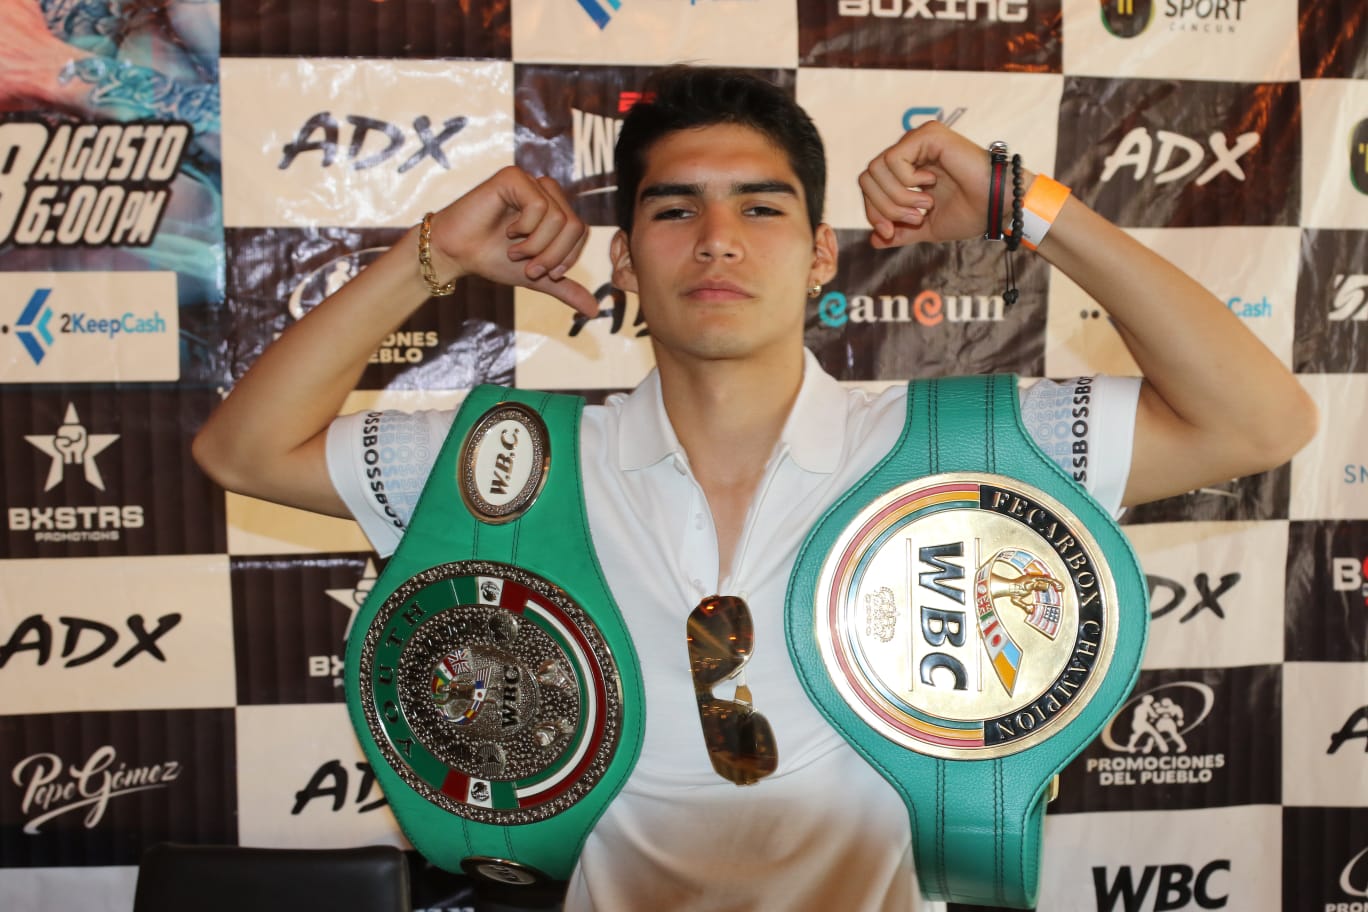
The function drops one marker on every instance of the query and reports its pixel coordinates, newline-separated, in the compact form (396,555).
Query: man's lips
(716,290)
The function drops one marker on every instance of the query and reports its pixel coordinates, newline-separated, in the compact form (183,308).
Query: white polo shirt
(824,831)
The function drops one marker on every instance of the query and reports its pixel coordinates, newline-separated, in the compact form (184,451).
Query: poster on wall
(109,180)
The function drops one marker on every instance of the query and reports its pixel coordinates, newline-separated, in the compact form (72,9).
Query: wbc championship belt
(969,619)
(489,675)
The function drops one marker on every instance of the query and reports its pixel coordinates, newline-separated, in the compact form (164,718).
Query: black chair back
(178,878)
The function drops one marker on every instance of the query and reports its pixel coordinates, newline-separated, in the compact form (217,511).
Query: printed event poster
(111,232)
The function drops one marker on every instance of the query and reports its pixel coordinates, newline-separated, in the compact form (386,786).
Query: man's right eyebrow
(658,190)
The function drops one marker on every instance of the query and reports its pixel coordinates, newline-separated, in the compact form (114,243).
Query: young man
(706,478)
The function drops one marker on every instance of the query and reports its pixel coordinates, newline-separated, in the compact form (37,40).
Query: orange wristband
(1040,208)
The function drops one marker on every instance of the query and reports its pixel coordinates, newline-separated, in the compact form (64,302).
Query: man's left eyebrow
(772,186)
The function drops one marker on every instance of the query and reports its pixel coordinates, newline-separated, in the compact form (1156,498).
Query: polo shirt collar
(813,436)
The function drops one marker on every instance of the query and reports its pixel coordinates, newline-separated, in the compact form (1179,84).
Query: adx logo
(1207,596)
(53,787)
(322,133)
(613,307)
(1137,151)
(34,634)
(951,10)
(1351,297)
(1358,156)
(331,781)
(1356,726)
(928,308)
(1151,731)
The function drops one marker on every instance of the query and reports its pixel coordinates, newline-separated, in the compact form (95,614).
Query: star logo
(356,597)
(72,445)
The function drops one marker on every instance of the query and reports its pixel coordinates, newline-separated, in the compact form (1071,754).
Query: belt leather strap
(976,823)
(552,541)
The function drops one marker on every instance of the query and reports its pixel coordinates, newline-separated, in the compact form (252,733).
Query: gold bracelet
(425,260)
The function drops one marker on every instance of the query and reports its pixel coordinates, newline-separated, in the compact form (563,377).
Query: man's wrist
(438,271)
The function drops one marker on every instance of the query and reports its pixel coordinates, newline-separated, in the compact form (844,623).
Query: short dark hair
(684,97)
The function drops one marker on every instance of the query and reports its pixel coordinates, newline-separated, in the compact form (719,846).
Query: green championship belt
(490,676)
(957,617)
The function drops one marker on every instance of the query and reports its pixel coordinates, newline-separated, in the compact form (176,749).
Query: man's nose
(719,236)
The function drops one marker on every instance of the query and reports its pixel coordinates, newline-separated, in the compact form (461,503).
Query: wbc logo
(965,617)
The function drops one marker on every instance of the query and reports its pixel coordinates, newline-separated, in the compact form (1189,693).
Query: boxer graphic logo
(965,616)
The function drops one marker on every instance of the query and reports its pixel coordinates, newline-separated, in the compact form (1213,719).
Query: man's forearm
(1215,377)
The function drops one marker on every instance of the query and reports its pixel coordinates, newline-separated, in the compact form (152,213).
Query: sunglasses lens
(740,741)
(721,636)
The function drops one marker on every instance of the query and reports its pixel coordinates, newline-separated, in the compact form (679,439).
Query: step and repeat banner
(180,181)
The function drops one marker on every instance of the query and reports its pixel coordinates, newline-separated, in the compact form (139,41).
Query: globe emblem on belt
(490,692)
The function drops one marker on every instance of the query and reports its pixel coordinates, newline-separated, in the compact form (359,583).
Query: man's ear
(824,254)
(620,252)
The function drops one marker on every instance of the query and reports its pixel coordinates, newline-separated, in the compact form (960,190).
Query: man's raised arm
(267,439)
(1215,403)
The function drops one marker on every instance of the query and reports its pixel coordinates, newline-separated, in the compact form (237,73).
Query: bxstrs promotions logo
(927,308)
(1358,157)
(69,446)
(1127,18)
(87,185)
(1350,574)
(1149,735)
(330,666)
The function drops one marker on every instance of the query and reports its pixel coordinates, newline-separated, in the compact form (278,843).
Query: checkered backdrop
(199,176)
